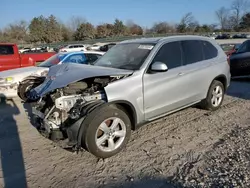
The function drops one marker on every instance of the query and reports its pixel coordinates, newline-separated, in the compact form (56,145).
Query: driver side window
(170,54)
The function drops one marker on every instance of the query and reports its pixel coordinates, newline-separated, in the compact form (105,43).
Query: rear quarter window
(6,50)
(192,51)
(209,50)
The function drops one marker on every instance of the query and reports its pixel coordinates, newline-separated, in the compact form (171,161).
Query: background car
(230,48)
(223,36)
(74,48)
(94,47)
(9,80)
(107,47)
(240,60)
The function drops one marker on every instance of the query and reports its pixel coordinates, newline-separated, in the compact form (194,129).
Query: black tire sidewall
(93,121)
(21,90)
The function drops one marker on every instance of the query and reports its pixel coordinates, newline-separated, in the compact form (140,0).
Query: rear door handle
(181,73)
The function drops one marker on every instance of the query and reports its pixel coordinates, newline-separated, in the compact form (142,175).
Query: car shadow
(145,182)
(12,162)
(240,88)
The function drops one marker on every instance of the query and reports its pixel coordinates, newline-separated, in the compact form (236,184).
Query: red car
(11,59)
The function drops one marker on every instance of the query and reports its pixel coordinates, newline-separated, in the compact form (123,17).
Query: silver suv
(135,82)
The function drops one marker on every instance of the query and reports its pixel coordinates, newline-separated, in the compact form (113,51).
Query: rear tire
(214,97)
(106,131)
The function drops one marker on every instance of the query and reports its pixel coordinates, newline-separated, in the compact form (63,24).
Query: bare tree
(187,23)
(75,22)
(238,7)
(187,19)
(222,15)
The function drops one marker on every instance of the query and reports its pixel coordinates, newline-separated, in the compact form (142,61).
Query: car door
(165,91)
(196,66)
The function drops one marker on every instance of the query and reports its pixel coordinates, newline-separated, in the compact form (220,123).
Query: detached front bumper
(8,90)
(55,133)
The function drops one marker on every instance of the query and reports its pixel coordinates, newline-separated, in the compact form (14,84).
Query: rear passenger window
(170,54)
(192,50)
(209,50)
(6,50)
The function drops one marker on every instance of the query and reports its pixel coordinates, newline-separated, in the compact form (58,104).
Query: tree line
(50,29)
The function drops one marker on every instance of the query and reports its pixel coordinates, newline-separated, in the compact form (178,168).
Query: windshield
(128,56)
(244,47)
(53,60)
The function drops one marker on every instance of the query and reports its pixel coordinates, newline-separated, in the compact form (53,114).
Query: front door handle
(181,73)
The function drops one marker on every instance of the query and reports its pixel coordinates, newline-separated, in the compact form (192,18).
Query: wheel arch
(223,79)
(77,128)
(128,108)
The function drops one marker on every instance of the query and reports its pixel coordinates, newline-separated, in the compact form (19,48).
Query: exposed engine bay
(59,109)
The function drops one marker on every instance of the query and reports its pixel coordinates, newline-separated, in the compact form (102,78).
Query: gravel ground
(191,148)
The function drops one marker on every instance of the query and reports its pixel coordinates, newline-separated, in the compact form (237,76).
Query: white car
(94,47)
(74,48)
(24,50)
(10,79)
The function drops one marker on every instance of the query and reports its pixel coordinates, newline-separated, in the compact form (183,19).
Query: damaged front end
(60,112)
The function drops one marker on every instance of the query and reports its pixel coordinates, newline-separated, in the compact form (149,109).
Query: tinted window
(209,50)
(81,46)
(6,50)
(192,50)
(91,58)
(76,58)
(170,54)
(245,47)
(71,46)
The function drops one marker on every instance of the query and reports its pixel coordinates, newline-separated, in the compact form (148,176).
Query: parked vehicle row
(97,106)
(21,77)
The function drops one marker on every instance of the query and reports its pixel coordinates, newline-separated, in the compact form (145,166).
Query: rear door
(198,57)
(8,58)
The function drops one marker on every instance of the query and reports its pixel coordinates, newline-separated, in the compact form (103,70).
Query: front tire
(106,131)
(25,86)
(215,96)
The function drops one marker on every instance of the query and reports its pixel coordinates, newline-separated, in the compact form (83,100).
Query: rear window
(6,50)
(209,50)
(192,51)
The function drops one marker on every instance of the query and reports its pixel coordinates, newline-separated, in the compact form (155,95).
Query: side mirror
(159,67)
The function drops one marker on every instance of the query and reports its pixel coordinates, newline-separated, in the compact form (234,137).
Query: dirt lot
(190,148)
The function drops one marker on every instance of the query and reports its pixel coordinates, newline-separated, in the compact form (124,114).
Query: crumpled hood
(61,75)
